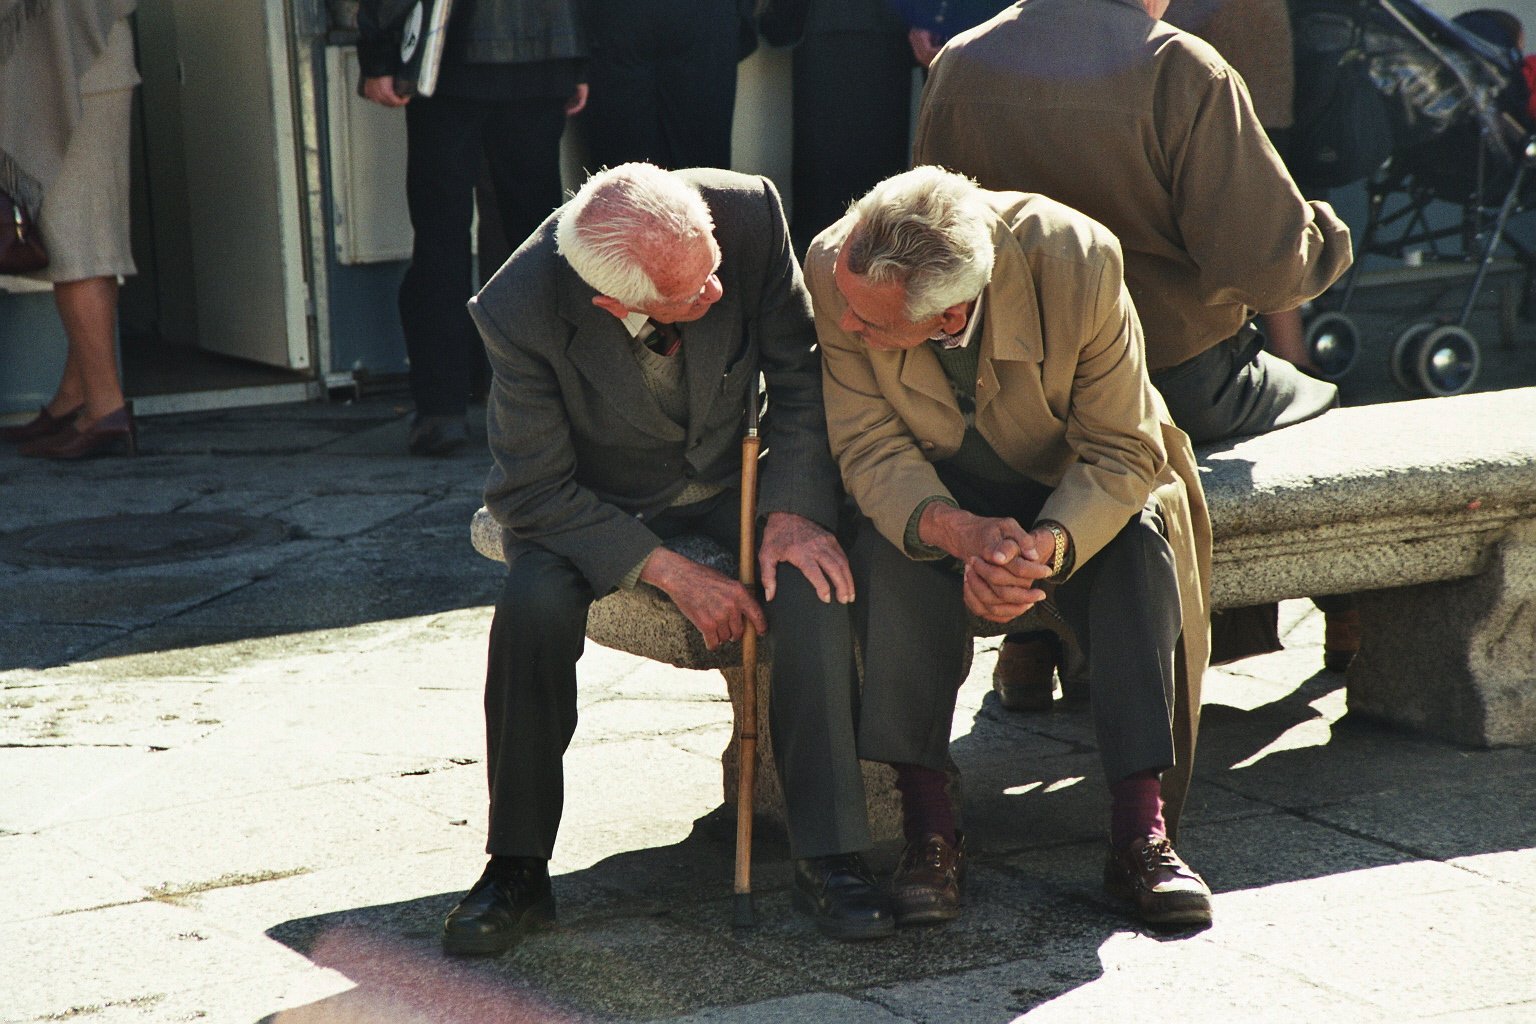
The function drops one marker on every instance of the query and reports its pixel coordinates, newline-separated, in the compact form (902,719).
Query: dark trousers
(446,139)
(1123,605)
(663,78)
(852,99)
(537,637)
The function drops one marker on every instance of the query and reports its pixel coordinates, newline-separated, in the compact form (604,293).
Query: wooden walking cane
(746,720)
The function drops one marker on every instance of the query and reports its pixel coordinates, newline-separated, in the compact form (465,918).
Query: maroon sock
(925,806)
(1136,808)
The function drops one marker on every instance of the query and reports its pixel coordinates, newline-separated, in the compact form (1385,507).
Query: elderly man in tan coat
(1147,130)
(989,409)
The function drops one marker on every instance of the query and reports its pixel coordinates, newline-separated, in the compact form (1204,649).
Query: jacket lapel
(1011,328)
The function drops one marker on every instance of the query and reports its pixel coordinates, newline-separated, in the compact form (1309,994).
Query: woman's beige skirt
(84,217)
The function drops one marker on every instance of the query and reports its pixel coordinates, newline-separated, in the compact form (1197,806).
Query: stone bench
(1426,509)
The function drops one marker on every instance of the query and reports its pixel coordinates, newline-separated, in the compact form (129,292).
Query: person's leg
(88,310)
(522,147)
(912,627)
(1235,388)
(442,162)
(696,83)
(621,121)
(852,91)
(537,637)
(1126,597)
(811,718)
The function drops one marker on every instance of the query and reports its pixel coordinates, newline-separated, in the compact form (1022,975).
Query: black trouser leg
(442,163)
(852,93)
(530,700)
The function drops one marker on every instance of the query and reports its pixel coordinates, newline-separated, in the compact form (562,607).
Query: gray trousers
(1236,389)
(538,635)
(913,627)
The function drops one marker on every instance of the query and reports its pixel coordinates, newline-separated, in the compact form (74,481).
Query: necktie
(666,339)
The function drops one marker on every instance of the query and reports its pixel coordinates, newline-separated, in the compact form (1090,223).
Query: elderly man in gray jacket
(627,337)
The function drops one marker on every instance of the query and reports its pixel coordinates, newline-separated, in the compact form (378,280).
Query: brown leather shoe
(1164,889)
(1023,678)
(1341,639)
(111,434)
(43,424)
(928,886)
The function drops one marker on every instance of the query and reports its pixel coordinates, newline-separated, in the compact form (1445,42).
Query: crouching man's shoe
(841,896)
(928,886)
(1165,891)
(1024,675)
(502,907)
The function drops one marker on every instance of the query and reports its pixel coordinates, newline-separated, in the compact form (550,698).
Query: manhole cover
(138,539)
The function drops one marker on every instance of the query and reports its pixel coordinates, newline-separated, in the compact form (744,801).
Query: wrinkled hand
(1002,560)
(381,90)
(577,101)
(811,549)
(925,45)
(718,606)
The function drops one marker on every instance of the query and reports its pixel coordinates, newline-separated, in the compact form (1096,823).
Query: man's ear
(953,320)
(612,305)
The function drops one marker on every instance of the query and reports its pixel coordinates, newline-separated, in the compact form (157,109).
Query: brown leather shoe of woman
(928,886)
(44,424)
(112,434)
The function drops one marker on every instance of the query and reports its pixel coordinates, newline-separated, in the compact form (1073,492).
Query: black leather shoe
(840,895)
(498,911)
(437,436)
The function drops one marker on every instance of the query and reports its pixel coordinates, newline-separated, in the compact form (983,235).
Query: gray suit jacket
(584,455)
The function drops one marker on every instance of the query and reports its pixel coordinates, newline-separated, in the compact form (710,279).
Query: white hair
(624,219)
(929,230)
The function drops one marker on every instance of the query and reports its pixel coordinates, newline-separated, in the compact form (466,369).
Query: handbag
(21,247)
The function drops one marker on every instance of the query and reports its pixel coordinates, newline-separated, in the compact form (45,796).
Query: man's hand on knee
(811,549)
(718,606)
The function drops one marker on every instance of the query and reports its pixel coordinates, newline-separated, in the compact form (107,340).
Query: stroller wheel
(1447,360)
(1334,342)
(1405,355)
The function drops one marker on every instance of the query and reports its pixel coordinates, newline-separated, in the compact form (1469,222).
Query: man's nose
(712,290)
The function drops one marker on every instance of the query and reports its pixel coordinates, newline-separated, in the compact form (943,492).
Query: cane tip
(741,911)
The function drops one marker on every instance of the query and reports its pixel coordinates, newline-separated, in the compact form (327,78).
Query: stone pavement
(242,781)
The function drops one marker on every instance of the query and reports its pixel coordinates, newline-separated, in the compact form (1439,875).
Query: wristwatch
(1059,554)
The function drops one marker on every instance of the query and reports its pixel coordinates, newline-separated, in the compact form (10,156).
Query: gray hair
(929,230)
(624,219)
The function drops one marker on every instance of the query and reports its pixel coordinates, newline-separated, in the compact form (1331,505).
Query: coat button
(926,446)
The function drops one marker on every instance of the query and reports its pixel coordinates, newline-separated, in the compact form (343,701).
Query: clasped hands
(1003,561)
(721,607)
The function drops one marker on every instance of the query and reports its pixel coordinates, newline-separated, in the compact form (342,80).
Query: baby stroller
(1424,110)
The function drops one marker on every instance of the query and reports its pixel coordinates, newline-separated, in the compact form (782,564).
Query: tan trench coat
(1061,394)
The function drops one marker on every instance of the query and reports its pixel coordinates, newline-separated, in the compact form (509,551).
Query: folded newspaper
(422,38)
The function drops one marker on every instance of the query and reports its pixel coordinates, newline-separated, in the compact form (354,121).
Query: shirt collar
(636,324)
(963,339)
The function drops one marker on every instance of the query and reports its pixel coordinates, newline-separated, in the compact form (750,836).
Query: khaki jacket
(1149,132)
(1061,394)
